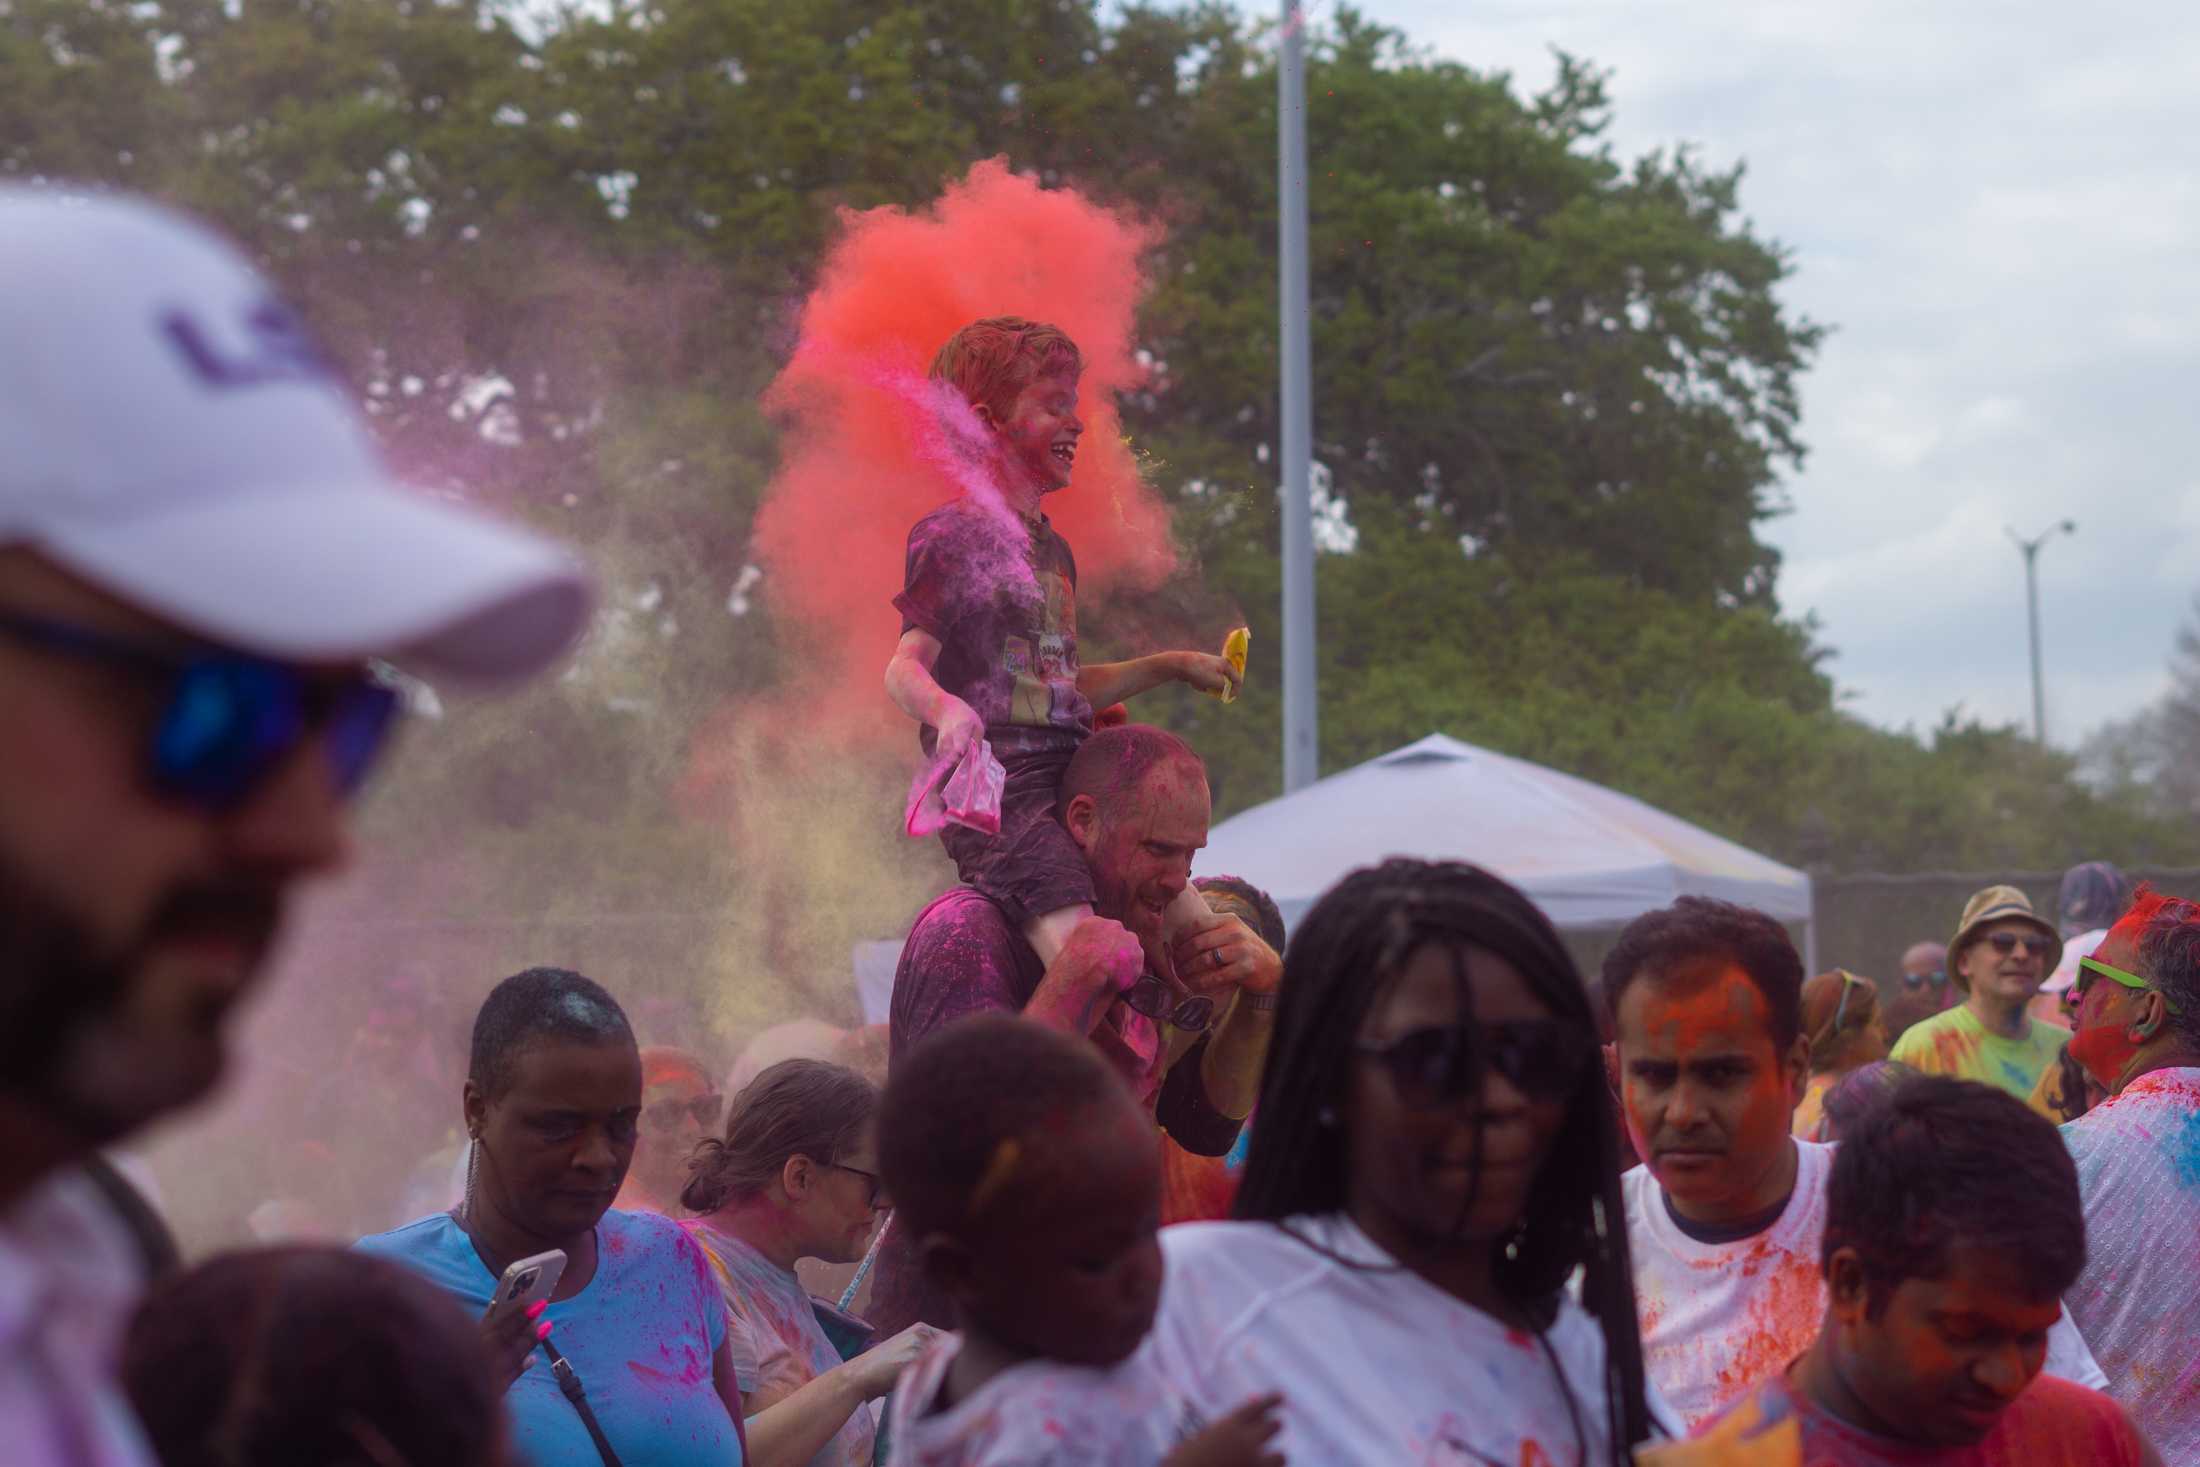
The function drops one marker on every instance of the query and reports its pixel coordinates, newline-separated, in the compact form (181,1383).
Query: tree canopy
(559,250)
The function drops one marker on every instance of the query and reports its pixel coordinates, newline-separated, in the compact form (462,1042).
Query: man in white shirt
(198,554)
(1726,1217)
(2138,1155)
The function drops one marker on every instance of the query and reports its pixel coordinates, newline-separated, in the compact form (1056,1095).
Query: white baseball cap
(170,433)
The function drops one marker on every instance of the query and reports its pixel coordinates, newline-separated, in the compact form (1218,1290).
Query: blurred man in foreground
(198,555)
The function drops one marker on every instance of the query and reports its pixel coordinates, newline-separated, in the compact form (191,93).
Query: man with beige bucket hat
(2001,953)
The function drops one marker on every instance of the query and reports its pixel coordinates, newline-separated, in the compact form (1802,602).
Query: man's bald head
(1115,763)
(1922,959)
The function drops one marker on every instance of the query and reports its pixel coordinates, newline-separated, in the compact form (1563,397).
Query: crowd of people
(1150,1180)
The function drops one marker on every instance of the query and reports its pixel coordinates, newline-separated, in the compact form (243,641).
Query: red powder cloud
(855,475)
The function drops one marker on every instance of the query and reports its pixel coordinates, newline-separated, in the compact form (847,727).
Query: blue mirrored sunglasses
(227,721)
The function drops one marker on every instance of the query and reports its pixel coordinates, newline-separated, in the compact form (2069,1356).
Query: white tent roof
(1588,856)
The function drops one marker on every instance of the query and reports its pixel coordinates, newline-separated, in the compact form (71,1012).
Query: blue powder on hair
(582,1009)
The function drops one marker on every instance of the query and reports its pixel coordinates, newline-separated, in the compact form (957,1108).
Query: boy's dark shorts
(1032,867)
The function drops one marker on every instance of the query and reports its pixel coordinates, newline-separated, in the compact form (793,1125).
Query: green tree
(2153,757)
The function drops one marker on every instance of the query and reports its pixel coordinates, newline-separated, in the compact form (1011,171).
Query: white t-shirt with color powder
(1720,1319)
(1376,1365)
(2138,1300)
(1037,1414)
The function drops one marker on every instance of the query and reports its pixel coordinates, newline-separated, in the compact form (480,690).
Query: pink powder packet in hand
(966,793)
(973,794)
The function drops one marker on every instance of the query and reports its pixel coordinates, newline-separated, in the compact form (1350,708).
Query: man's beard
(60,995)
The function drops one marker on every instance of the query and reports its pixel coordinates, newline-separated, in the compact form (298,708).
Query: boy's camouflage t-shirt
(1004,611)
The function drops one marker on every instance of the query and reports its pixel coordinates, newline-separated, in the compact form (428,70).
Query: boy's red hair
(993,360)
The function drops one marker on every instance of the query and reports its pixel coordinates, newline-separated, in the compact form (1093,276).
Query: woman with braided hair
(1436,1159)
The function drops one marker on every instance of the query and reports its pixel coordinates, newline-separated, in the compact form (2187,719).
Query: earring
(473,1165)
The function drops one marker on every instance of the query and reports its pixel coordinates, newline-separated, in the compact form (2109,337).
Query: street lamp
(2031,549)
(1301,757)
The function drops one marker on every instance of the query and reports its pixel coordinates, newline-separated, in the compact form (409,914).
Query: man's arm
(1235,1056)
(1100,960)
(1211,1089)
(1227,960)
(1103,683)
(965,959)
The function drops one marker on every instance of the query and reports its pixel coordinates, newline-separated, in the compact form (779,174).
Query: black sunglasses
(228,721)
(2005,943)
(1153,997)
(1542,1058)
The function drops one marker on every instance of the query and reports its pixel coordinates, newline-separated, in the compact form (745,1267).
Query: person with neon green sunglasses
(2138,1154)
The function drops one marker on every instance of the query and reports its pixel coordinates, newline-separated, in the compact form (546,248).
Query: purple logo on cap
(275,348)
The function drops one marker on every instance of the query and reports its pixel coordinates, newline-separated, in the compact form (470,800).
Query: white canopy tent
(1590,857)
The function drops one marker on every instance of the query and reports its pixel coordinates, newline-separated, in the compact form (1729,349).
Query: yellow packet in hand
(1234,648)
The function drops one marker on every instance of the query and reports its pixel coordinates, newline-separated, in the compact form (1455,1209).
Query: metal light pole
(1301,747)
(2031,549)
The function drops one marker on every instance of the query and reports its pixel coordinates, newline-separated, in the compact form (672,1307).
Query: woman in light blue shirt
(553,1089)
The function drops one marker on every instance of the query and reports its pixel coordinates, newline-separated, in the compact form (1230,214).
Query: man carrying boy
(2138,1159)
(199,551)
(1135,809)
(989,628)
(1952,1225)
(2001,954)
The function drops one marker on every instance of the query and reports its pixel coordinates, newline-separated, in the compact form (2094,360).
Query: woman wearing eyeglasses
(1435,1160)
(795,1177)
(1842,1022)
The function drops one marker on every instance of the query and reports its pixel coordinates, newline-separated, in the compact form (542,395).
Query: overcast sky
(1994,204)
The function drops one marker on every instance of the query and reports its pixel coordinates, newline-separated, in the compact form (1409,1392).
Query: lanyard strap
(569,1381)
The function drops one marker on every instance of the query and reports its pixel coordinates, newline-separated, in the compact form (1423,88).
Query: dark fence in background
(1865,921)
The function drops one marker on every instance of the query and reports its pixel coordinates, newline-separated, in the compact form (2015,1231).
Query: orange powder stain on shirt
(1781,1320)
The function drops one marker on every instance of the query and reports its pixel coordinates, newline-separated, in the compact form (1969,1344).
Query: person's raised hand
(1216,954)
(509,1333)
(1101,958)
(880,1366)
(1207,672)
(959,728)
(1244,1438)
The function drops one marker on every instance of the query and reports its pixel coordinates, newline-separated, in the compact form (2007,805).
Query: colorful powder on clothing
(871,445)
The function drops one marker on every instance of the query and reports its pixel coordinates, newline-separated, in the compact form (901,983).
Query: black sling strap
(569,1381)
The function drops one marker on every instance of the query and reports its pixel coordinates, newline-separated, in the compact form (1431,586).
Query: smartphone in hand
(529,1279)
